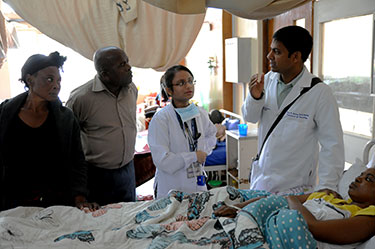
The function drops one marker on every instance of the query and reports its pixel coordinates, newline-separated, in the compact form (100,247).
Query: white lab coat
(171,153)
(291,153)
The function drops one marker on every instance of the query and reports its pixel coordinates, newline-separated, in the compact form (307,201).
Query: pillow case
(369,244)
(231,124)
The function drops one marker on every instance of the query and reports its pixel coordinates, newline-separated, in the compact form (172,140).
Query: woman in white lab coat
(180,136)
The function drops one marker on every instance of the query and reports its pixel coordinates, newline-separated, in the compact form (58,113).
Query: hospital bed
(216,162)
(179,221)
(368,160)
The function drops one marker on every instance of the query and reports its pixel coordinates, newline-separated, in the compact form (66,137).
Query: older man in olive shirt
(106,110)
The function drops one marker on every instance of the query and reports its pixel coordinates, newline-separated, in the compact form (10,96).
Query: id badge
(193,167)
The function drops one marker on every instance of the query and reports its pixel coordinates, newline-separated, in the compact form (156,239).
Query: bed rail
(366,151)
(227,114)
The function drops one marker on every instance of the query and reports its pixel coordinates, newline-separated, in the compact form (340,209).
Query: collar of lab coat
(304,81)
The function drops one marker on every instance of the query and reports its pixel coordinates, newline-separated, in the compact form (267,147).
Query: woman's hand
(231,211)
(81,203)
(330,191)
(226,211)
(201,156)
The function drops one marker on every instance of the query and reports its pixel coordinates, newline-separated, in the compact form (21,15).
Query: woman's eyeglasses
(183,83)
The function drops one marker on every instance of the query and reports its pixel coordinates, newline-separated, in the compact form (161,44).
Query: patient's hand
(225,211)
(330,191)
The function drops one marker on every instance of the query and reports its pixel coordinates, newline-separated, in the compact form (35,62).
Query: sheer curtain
(3,39)
(152,37)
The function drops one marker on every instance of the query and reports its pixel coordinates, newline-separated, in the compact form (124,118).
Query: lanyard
(192,138)
(314,81)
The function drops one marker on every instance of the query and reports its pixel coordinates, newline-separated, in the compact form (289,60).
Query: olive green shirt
(284,89)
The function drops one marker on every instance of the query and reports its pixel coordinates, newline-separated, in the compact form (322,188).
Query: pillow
(371,163)
(369,244)
(348,177)
(231,124)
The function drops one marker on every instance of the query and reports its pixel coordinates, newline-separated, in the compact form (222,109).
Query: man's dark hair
(103,58)
(295,38)
(167,79)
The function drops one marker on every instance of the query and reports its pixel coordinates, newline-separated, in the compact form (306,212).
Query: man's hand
(256,85)
(201,156)
(81,203)
(330,191)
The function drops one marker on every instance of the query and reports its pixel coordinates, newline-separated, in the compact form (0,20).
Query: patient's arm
(330,191)
(245,203)
(339,231)
(231,211)
(226,211)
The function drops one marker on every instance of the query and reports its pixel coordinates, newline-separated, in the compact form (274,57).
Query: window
(342,56)
(302,23)
(346,68)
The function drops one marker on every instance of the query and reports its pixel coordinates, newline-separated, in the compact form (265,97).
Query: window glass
(302,23)
(346,67)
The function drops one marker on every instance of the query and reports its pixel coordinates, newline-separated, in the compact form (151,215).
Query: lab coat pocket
(293,125)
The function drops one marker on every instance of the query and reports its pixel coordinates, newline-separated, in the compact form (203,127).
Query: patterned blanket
(178,221)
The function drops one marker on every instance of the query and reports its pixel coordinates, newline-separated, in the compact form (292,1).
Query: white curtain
(250,9)
(3,38)
(152,37)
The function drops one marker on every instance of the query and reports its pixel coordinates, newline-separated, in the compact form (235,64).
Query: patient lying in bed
(183,220)
(329,218)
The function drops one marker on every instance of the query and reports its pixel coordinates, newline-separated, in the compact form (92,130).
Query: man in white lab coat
(289,160)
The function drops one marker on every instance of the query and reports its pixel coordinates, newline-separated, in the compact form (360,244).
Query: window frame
(329,10)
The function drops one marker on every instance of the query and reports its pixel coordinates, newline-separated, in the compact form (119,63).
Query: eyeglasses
(183,83)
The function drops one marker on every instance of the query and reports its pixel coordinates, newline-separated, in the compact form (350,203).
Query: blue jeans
(112,185)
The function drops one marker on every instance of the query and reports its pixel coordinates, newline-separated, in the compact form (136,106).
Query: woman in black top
(41,158)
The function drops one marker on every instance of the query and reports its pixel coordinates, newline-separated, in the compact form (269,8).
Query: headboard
(228,114)
(366,151)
